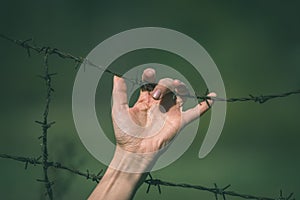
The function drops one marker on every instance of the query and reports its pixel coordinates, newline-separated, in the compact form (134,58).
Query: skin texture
(142,131)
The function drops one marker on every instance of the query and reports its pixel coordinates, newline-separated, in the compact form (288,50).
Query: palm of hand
(149,125)
(154,120)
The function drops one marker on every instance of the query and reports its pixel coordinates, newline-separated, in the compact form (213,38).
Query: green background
(255,45)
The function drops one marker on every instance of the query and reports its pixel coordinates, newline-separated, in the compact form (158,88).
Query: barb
(25,44)
(94,177)
(26,160)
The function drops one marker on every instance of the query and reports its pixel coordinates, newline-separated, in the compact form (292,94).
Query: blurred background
(255,45)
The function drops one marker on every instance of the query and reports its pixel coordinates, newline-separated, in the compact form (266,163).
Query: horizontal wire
(57,165)
(151,182)
(28,46)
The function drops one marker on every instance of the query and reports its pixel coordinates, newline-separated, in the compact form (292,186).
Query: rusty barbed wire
(45,125)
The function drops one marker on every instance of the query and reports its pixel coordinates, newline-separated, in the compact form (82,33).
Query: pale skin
(140,133)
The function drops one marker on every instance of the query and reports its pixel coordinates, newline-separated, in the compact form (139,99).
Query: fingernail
(156,94)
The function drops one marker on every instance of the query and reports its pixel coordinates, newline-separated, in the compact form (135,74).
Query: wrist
(131,162)
(115,183)
(126,172)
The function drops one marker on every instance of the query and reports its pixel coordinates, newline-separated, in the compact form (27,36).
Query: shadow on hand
(167,102)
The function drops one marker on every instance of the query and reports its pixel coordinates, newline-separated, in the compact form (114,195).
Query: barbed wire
(151,182)
(45,125)
(223,192)
(37,161)
(78,60)
(215,190)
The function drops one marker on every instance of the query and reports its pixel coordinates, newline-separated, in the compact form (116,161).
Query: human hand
(142,131)
(156,117)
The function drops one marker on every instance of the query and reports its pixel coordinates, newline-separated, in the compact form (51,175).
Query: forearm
(123,177)
(117,185)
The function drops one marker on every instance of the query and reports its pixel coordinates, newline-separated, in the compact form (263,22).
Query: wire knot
(154,182)
(281,197)
(220,191)
(259,99)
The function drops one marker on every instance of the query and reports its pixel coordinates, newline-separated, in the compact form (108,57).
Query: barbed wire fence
(45,163)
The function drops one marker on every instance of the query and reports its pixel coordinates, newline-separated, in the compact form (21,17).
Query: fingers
(168,85)
(148,78)
(163,87)
(119,93)
(181,92)
(193,113)
(149,75)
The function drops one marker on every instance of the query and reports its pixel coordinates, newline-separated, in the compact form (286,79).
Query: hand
(156,117)
(142,132)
